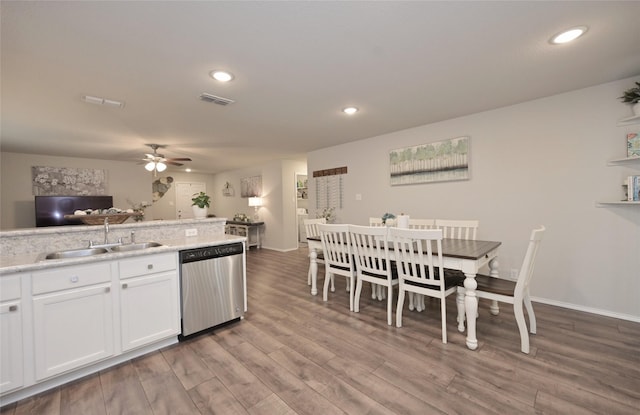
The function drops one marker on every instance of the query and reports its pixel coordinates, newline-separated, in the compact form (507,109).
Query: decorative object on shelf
(633,144)
(251,186)
(387,216)
(445,160)
(201,202)
(160,186)
(327,214)
(241,217)
(227,190)
(633,188)
(66,181)
(256,203)
(138,209)
(632,96)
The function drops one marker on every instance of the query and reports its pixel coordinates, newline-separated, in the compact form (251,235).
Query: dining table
(464,255)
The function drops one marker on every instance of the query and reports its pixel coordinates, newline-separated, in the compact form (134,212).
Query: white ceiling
(296,65)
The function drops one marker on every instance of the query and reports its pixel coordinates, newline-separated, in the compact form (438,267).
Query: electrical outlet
(514,274)
(191,232)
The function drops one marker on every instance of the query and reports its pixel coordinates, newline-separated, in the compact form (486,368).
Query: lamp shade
(150,166)
(160,166)
(255,201)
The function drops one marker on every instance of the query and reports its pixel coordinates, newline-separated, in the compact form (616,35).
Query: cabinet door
(72,328)
(150,309)
(11,357)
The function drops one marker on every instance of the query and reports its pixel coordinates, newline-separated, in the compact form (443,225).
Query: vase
(636,109)
(198,212)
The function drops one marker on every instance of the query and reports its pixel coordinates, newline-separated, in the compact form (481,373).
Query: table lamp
(256,202)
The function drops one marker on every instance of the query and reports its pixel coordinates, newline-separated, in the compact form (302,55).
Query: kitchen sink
(75,253)
(134,247)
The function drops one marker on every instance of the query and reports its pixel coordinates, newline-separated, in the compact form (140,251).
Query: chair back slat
(336,246)
(370,249)
(414,254)
(378,222)
(528,264)
(458,229)
(311,226)
(422,223)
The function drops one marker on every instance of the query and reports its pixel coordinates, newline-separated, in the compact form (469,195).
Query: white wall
(539,162)
(124,181)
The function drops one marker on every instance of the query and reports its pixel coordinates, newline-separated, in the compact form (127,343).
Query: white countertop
(36,261)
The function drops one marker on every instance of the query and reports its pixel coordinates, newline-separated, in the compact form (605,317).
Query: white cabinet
(149,299)
(11,351)
(72,317)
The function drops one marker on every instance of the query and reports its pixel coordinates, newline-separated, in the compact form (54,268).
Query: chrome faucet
(133,237)
(106,231)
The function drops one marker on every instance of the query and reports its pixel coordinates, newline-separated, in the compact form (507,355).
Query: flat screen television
(50,210)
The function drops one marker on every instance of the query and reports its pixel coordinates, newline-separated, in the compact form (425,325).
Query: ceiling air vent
(215,99)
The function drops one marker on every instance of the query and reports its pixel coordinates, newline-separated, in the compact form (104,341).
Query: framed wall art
(439,161)
(251,187)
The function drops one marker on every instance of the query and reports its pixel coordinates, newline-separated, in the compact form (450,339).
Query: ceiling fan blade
(173,163)
(179,159)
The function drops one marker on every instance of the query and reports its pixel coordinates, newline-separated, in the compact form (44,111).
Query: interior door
(184,194)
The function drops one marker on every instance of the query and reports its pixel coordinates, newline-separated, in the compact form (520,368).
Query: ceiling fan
(158,162)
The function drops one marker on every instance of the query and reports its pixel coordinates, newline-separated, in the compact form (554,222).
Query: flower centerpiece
(632,96)
(201,202)
(387,216)
(327,214)
(138,209)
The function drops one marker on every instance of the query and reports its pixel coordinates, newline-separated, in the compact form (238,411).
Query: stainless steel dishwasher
(211,287)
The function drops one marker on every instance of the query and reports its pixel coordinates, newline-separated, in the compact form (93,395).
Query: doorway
(184,194)
(302,205)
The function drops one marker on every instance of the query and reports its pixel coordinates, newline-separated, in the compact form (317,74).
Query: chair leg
(443,317)
(309,276)
(522,326)
(460,304)
(532,315)
(352,289)
(356,299)
(411,299)
(389,305)
(374,288)
(494,308)
(328,277)
(333,283)
(421,301)
(400,306)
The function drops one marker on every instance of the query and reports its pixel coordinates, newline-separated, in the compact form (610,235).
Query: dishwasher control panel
(199,254)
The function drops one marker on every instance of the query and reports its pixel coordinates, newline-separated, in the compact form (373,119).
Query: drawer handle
(13,308)
(74,279)
(150,266)
(125,286)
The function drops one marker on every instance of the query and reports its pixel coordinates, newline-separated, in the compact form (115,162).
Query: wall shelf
(634,119)
(626,160)
(620,203)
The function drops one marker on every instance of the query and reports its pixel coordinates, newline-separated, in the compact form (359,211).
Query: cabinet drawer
(148,264)
(10,288)
(70,277)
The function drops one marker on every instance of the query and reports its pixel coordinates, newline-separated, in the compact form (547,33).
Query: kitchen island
(62,319)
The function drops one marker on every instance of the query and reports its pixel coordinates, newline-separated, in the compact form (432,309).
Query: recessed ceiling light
(221,76)
(350,110)
(568,35)
(188,170)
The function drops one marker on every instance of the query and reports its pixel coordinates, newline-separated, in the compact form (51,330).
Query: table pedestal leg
(313,266)
(471,308)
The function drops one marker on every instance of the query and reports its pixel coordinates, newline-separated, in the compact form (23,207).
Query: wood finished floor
(295,354)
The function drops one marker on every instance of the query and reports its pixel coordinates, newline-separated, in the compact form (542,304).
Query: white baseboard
(591,310)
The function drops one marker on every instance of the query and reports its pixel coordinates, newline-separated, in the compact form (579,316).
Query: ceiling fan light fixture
(160,166)
(150,166)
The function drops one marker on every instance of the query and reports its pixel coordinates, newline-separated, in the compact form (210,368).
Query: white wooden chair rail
(338,259)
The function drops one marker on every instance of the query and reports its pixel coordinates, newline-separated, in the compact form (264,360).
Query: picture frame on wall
(633,144)
(440,161)
(251,186)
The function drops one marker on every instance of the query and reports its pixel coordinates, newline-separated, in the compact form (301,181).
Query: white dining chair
(422,223)
(378,222)
(511,292)
(419,268)
(371,252)
(338,257)
(311,229)
(377,291)
(458,229)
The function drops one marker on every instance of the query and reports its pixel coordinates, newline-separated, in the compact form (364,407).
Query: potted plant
(632,96)
(201,202)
